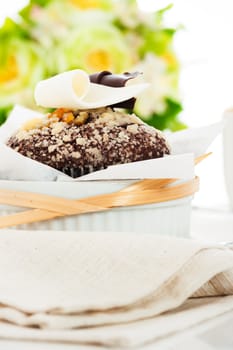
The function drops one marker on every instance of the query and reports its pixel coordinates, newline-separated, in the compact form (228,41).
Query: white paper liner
(196,140)
(74,90)
(177,167)
(186,145)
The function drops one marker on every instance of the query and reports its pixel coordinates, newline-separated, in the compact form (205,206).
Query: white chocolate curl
(74,90)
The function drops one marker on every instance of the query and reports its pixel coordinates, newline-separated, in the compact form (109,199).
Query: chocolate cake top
(79,142)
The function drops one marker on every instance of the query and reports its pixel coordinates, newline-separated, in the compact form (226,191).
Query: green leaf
(41,3)
(160,14)
(169,118)
(26,11)
(156,41)
(11,29)
(4,112)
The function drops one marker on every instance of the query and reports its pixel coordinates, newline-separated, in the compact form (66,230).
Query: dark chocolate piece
(96,78)
(115,80)
(128,104)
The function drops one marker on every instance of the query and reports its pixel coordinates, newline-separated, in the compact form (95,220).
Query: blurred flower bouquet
(52,36)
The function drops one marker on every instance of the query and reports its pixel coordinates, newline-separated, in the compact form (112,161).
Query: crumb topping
(89,140)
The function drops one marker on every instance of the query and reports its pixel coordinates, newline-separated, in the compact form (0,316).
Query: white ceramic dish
(167,218)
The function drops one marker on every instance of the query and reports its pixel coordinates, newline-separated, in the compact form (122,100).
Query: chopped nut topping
(132,128)
(81,118)
(68,117)
(76,155)
(22,135)
(66,138)
(78,142)
(52,148)
(57,128)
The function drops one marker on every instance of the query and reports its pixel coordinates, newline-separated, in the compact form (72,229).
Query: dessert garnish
(116,80)
(75,90)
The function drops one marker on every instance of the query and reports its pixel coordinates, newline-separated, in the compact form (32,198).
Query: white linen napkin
(67,282)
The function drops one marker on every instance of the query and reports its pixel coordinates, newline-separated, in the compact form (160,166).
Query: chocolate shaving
(115,80)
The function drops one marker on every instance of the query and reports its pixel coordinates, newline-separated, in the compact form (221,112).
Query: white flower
(131,16)
(152,100)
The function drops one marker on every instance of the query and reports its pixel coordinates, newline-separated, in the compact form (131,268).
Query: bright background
(205,49)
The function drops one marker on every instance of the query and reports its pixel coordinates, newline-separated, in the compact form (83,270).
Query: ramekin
(166,218)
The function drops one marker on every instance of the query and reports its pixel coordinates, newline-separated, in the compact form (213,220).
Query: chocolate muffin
(80,142)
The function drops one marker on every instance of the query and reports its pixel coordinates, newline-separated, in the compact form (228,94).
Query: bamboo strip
(201,158)
(26,217)
(148,183)
(42,201)
(107,201)
(139,197)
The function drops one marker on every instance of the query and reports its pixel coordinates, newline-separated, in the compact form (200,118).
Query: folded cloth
(69,280)
(194,315)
